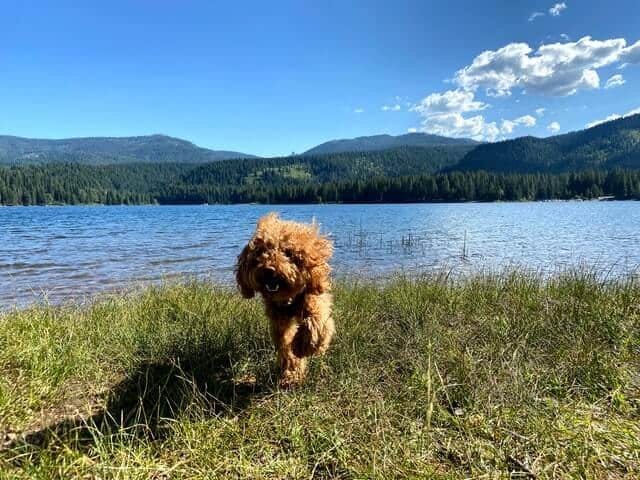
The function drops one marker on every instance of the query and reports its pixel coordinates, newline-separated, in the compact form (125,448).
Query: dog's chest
(287,313)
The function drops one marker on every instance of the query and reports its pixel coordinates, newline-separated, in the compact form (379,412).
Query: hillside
(74,182)
(239,181)
(610,145)
(383,142)
(600,161)
(331,167)
(614,144)
(108,150)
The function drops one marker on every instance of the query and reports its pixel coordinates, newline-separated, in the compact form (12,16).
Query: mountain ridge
(600,161)
(608,145)
(155,148)
(386,142)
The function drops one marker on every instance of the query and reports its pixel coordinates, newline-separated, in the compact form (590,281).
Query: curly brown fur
(287,262)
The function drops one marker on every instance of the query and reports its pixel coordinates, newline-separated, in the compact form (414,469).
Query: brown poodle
(287,262)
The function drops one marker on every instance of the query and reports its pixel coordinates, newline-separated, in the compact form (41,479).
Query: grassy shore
(427,378)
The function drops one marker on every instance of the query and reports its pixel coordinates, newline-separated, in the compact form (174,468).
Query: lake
(63,253)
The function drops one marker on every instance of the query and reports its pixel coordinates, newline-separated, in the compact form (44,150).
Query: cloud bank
(556,70)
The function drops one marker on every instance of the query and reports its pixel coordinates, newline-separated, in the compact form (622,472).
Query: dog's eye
(289,253)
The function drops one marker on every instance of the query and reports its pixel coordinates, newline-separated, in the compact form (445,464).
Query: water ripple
(72,252)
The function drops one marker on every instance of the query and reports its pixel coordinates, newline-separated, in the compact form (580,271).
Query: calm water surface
(68,252)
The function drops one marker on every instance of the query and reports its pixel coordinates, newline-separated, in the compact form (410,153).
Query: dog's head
(284,259)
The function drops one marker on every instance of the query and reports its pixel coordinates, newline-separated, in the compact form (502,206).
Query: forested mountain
(384,142)
(614,144)
(183,182)
(330,167)
(600,161)
(107,150)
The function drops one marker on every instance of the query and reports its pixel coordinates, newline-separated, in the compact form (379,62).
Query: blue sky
(274,77)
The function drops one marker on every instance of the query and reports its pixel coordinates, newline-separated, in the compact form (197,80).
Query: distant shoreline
(435,202)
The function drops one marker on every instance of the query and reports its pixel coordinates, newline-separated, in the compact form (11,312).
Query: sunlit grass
(426,378)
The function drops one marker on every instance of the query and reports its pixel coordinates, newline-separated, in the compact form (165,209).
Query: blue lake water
(63,253)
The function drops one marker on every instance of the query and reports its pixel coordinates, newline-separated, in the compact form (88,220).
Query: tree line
(75,184)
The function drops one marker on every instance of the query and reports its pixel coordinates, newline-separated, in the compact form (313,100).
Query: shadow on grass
(144,404)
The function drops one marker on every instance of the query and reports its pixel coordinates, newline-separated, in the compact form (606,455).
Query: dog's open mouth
(272,287)
(272,282)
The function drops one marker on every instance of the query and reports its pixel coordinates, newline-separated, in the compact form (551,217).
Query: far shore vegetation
(493,376)
(321,181)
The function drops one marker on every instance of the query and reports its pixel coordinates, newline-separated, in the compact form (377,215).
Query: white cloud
(507,126)
(450,101)
(442,115)
(557,9)
(412,130)
(635,111)
(526,120)
(455,125)
(553,127)
(391,108)
(631,54)
(615,81)
(553,11)
(564,36)
(535,15)
(613,116)
(359,110)
(556,69)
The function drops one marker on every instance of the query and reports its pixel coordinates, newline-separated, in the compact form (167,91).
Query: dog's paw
(290,379)
(321,349)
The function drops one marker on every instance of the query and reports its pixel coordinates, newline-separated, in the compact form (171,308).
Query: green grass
(429,378)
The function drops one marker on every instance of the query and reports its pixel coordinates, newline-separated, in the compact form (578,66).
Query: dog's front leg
(293,368)
(316,328)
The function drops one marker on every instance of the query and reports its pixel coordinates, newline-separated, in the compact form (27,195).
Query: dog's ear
(243,267)
(322,250)
(319,279)
(318,265)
